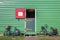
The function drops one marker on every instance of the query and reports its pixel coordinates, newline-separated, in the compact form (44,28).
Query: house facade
(45,12)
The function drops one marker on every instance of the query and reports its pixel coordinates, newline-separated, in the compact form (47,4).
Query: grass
(12,38)
(48,38)
(22,38)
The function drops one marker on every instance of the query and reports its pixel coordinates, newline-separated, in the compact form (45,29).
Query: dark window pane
(30,13)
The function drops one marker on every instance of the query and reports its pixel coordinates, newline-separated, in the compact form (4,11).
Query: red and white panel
(20,12)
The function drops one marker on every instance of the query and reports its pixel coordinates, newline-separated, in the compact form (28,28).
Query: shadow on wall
(53,30)
(8,31)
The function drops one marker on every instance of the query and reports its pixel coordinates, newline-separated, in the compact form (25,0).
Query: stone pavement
(30,37)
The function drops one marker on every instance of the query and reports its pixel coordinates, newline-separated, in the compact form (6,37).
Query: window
(30,13)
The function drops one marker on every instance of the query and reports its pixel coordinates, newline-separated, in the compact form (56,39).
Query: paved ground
(1,34)
(30,37)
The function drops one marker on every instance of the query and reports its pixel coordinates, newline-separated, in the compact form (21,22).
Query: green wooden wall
(47,12)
